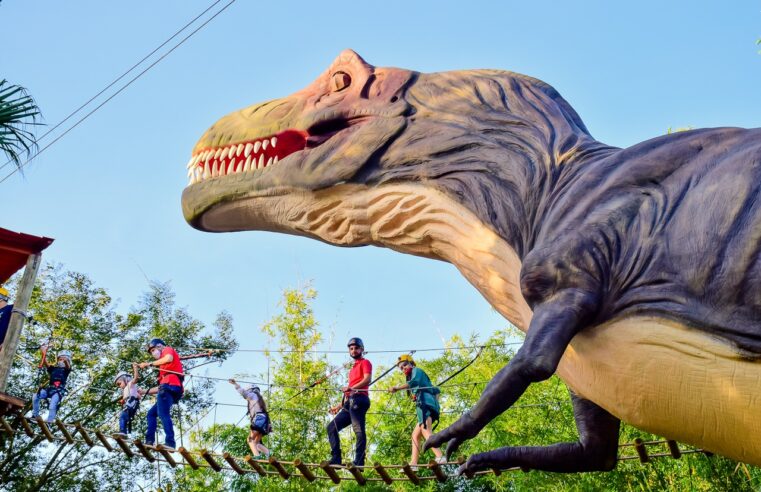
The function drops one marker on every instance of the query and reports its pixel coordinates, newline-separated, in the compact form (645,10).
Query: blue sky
(109,192)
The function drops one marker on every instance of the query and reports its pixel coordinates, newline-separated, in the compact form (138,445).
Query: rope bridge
(75,434)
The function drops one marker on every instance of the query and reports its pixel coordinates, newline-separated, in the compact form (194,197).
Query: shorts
(431,412)
(261,423)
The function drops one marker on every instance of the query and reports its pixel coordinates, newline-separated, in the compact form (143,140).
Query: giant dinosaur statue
(634,273)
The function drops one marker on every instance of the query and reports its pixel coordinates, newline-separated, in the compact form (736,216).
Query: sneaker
(441,460)
(335,462)
(170,448)
(120,435)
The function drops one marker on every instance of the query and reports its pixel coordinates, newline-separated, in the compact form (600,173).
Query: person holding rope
(168,392)
(5,313)
(353,407)
(55,390)
(260,419)
(130,399)
(425,396)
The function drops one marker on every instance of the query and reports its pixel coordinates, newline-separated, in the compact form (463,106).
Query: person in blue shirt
(425,395)
(55,390)
(5,313)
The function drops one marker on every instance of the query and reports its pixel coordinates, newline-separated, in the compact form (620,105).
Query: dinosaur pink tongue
(245,156)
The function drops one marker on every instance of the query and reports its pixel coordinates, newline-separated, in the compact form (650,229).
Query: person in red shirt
(168,392)
(353,407)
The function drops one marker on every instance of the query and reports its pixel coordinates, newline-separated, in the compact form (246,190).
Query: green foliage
(80,317)
(17,111)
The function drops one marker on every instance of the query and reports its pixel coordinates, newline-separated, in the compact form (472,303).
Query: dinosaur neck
(416,219)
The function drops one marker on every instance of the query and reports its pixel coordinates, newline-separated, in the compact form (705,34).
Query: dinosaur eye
(340,81)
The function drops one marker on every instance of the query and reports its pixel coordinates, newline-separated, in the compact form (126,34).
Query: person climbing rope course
(130,399)
(55,390)
(168,392)
(353,407)
(260,419)
(427,410)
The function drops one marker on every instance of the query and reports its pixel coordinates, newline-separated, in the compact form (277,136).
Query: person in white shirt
(130,399)
(260,420)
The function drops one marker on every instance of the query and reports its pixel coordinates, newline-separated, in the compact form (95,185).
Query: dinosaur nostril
(394,99)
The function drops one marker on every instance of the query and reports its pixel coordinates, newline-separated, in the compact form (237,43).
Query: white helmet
(121,375)
(253,388)
(65,354)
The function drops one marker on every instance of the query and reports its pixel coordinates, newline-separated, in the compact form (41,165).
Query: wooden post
(357,473)
(233,464)
(255,465)
(20,303)
(7,427)
(411,475)
(280,468)
(64,431)
(44,428)
(440,475)
(84,434)
(166,454)
(383,473)
(639,446)
(328,468)
(676,453)
(123,444)
(210,460)
(304,469)
(143,450)
(102,438)
(27,428)
(188,458)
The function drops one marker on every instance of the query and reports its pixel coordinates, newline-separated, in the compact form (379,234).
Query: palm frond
(18,111)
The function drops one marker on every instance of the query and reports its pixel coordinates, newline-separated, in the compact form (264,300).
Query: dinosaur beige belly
(673,381)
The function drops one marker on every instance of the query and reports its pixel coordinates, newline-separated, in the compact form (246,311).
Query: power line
(51,130)
(117,92)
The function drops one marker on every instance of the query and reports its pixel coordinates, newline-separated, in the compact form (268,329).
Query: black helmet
(155,343)
(356,341)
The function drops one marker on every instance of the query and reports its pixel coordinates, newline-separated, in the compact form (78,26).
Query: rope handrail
(198,459)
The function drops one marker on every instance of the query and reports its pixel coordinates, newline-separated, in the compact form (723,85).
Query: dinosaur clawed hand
(453,436)
(483,461)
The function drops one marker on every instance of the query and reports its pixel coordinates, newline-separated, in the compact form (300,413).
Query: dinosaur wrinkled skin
(634,273)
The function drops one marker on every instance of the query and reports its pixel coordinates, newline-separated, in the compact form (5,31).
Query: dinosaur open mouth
(253,155)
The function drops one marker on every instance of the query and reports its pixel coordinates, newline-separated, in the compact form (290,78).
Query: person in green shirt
(425,396)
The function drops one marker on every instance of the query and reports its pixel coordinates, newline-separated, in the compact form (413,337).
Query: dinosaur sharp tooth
(190,163)
(260,164)
(247,165)
(217,153)
(276,159)
(206,171)
(273,140)
(231,167)
(269,162)
(257,146)
(223,155)
(214,169)
(239,150)
(249,147)
(265,144)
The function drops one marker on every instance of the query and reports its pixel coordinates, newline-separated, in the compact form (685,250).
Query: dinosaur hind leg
(596,449)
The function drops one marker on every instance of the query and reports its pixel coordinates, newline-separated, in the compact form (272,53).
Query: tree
(18,111)
(81,318)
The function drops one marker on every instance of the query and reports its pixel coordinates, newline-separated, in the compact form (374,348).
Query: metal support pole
(21,303)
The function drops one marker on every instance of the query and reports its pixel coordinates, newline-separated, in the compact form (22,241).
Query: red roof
(15,248)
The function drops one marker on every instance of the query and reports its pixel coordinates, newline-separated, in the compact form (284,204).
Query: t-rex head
(452,166)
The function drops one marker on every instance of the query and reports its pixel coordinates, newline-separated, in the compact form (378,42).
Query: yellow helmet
(4,294)
(405,358)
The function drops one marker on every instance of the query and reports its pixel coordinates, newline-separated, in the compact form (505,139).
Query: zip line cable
(51,130)
(59,137)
